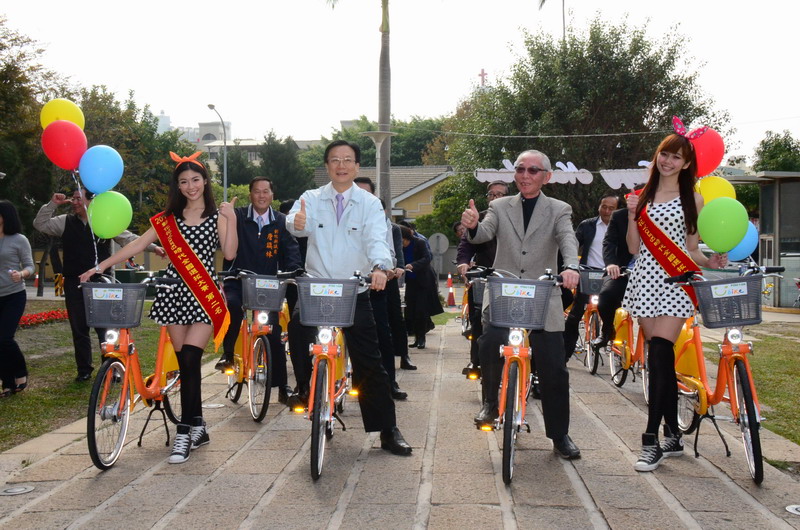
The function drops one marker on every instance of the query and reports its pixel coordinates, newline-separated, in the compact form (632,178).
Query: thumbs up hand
(300,217)
(226,209)
(469,218)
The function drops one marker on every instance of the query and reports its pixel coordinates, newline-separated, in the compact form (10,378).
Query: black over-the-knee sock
(663,386)
(189,360)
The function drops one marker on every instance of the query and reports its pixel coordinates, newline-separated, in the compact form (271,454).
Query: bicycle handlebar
(484,272)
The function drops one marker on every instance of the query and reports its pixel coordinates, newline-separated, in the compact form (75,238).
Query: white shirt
(595,258)
(357,243)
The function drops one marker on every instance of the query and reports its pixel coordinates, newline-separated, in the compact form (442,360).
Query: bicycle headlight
(515,337)
(325,335)
(112,336)
(262,317)
(595,299)
(735,336)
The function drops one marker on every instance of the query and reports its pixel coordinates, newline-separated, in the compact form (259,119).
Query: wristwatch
(573,267)
(98,270)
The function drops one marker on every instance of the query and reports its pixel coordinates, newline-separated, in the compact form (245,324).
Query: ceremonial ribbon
(193,273)
(672,258)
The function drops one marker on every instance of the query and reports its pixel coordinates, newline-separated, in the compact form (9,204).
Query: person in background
(265,247)
(16,264)
(422,297)
(82,250)
(191,228)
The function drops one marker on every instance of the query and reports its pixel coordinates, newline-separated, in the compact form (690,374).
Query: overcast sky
(298,67)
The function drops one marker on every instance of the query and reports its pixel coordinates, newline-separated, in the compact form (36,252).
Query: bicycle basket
(477,292)
(516,303)
(264,293)
(730,302)
(591,281)
(113,305)
(327,302)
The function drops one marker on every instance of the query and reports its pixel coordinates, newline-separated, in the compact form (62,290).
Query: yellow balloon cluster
(61,109)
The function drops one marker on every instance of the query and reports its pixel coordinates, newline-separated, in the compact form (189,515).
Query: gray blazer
(528,254)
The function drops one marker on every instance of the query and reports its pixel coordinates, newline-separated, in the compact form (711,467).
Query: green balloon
(722,224)
(110,213)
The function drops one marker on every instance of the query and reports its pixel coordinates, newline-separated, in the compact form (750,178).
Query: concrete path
(257,475)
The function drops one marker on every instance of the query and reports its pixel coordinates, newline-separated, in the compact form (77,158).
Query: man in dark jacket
(265,247)
(590,234)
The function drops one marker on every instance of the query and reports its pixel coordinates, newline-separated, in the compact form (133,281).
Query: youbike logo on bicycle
(729,289)
(516,290)
(327,289)
(263,283)
(106,294)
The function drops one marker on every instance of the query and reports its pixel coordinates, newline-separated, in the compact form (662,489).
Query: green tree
(280,162)
(777,152)
(572,98)
(240,169)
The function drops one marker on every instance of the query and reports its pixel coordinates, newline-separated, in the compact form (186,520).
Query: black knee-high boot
(663,402)
(189,360)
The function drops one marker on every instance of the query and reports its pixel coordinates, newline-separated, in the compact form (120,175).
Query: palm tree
(563,17)
(384,103)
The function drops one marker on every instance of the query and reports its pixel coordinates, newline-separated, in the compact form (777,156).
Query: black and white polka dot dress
(647,295)
(178,306)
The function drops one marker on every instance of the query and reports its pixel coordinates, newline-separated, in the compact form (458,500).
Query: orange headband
(192,158)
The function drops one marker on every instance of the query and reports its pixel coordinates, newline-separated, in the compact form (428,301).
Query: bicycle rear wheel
(259,385)
(319,418)
(108,415)
(511,422)
(688,418)
(748,421)
(618,373)
(172,398)
(592,358)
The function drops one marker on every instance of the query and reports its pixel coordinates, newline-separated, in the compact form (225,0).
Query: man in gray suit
(531,229)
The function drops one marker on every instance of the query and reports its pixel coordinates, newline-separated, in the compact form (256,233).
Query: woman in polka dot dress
(669,204)
(205,229)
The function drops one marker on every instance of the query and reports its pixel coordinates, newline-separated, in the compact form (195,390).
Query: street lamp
(382,186)
(224,155)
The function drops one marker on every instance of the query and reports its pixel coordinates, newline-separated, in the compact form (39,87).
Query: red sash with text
(672,258)
(193,273)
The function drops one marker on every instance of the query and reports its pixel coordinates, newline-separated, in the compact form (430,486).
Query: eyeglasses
(495,195)
(347,162)
(533,170)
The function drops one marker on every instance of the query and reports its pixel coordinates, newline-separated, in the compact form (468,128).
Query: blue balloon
(746,246)
(100,168)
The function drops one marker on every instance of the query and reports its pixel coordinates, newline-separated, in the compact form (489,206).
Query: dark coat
(422,289)
(265,252)
(585,235)
(615,244)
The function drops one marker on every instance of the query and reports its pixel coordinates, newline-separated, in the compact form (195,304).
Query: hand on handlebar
(613,271)
(570,278)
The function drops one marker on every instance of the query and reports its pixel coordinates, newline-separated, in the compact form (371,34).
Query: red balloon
(709,149)
(64,144)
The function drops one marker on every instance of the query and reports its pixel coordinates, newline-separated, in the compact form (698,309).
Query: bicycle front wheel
(319,418)
(748,421)
(172,398)
(511,422)
(259,384)
(108,415)
(615,359)
(592,358)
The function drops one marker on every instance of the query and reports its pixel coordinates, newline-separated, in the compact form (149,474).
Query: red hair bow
(677,125)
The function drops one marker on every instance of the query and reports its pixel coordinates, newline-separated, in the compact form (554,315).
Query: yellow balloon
(715,187)
(61,109)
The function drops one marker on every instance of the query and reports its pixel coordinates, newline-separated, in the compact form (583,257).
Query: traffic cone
(451,297)
(36,281)
(449,280)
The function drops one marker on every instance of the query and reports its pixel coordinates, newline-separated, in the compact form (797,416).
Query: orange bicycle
(520,305)
(253,357)
(589,325)
(118,307)
(730,304)
(624,354)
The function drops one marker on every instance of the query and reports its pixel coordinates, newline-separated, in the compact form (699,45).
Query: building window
(208,137)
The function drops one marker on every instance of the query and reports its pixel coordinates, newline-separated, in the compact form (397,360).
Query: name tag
(327,289)
(104,293)
(515,290)
(729,289)
(263,283)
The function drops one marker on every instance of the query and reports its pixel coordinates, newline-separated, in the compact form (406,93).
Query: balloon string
(88,217)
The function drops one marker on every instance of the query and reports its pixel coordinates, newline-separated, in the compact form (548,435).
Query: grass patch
(52,398)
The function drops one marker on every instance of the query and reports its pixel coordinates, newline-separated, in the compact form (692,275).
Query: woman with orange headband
(190,229)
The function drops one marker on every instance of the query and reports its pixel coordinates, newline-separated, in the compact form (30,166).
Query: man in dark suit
(531,229)
(590,233)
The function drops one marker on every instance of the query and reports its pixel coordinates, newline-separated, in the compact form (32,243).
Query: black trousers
(548,348)
(233,294)
(380,309)
(476,321)
(369,375)
(12,362)
(397,323)
(573,319)
(76,311)
(609,300)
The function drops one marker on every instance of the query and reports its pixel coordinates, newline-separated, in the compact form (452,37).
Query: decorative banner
(61,109)
(569,174)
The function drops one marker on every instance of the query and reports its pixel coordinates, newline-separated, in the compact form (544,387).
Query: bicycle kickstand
(156,407)
(727,449)
(339,419)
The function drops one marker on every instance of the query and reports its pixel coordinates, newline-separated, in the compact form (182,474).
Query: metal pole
(224,155)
